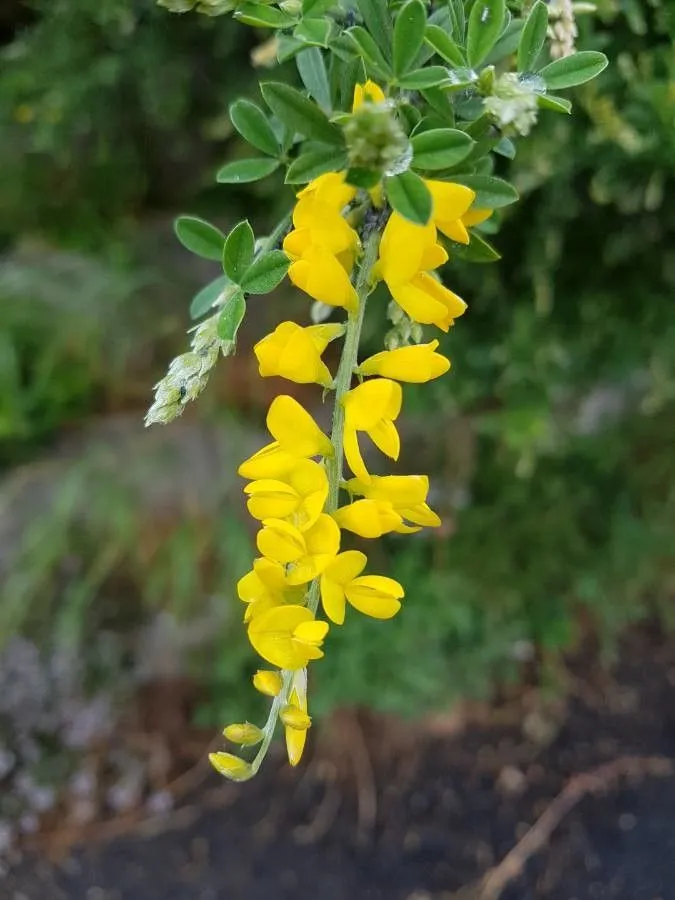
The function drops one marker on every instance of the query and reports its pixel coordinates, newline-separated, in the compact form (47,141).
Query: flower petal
(375,596)
(295,430)
(353,456)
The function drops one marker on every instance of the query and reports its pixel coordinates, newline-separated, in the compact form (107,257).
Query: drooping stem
(346,369)
(343,382)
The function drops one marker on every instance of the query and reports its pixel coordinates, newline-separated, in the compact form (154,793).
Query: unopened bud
(294,717)
(231,766)
(375,140)
(244,733)
(267,682)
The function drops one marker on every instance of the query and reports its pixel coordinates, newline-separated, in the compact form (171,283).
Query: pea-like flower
(415,364)
(372,407)
(299,497)
(306,553)
(451,202)
(408,253)
(330,188)
(264,587)
(369,518)
(287,636)
(294,352)
(372,595)
(407,495)
(295,718)
(367,93)
(321,275)
(297,436)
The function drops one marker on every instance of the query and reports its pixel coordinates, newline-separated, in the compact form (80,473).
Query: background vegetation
(552,446)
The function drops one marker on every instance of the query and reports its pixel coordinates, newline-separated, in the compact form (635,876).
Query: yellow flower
(306,553)
(268,462)
(244,733)
(476,216)
(371,407)
(368,518)
(407,494)
(321,275)
(415,364)
(300,496)
(267,682)
(295,430)
(287,636)
(318,223)
(450,203)
(373,595)
(330,188)
(367,93)
(294,352)
(265,586)
(297,736)
(230,766)
(407,253)
(297,436)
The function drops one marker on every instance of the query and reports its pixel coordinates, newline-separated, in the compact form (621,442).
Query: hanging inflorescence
(393,186)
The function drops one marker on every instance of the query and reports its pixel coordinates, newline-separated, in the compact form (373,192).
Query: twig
(511,867)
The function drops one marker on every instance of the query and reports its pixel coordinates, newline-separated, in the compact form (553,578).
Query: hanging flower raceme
(372,215)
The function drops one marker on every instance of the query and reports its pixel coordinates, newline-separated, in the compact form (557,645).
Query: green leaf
(314,76)
(424,78)
(199,237)
(261,16)
(239,250)
(440,148)
(314,163)
(315,7)
(362,178)
(507,44)
(408,35)
(371,53)
(410,197)
(253,125)
(491,192)
(300,113)
(287,47)
(486,20)
(313,31)
(555,104)
(230,319)
(378,22)
(457,20)
(241,171)
(505,147)
(478,250)
(344,78)
(266,272)
(533,37)
(203,301)
(573,70)
(444,45)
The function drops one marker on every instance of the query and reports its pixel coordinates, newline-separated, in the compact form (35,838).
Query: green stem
(343,383)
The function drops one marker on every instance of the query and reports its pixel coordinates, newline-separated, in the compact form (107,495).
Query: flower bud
(232,767)
(293,717)
(244,733)
(267,682)
(375,140)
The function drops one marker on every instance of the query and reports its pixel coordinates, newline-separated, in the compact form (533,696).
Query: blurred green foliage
(562,510)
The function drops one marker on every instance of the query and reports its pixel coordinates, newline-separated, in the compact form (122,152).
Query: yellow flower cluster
(294,481)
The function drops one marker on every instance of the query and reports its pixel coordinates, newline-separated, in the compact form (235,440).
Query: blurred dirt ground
(571,800)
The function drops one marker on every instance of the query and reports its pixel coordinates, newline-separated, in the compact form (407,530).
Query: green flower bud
(375,140)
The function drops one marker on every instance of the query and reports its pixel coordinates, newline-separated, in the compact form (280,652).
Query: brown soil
(566,801)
